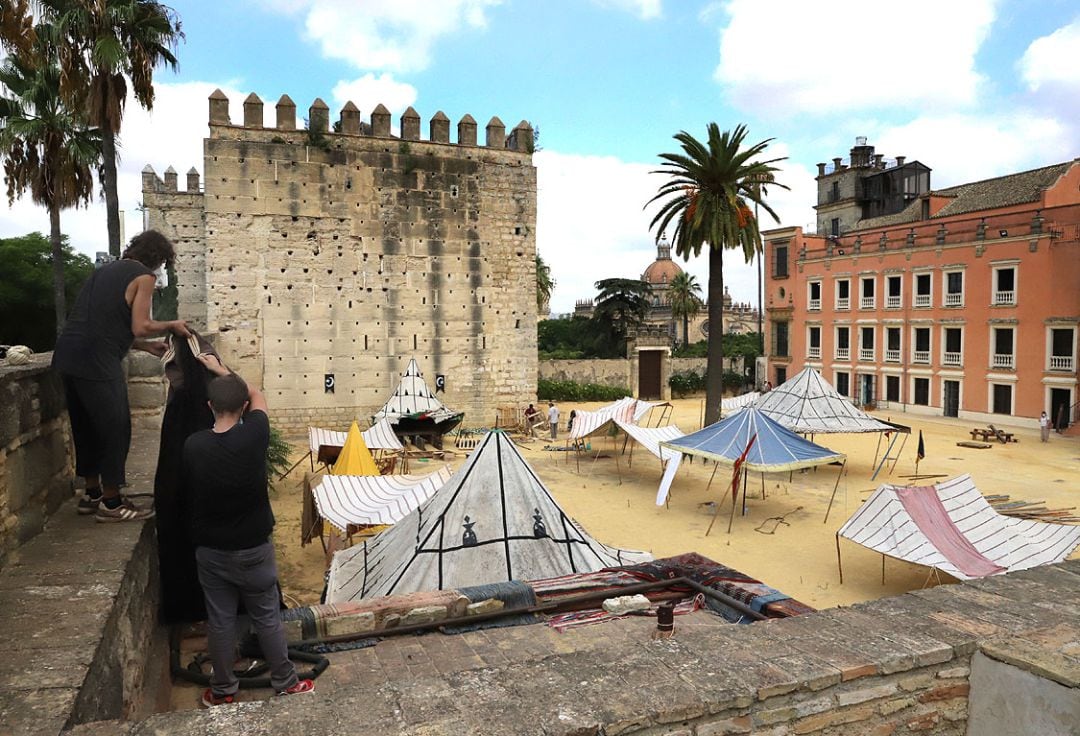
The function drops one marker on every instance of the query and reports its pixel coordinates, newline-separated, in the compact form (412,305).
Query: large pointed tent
(493,521)
(806,403)
(355,458)
(413,407)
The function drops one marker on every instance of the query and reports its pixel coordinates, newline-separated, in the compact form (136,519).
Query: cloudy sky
(972,88)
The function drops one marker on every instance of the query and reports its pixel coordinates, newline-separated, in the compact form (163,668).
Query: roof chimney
(900,160)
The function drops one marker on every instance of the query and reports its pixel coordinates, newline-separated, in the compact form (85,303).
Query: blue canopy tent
(768,447)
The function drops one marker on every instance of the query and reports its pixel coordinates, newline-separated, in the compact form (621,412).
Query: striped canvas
(650,438)
(883,525)
(374,499)
(379,436)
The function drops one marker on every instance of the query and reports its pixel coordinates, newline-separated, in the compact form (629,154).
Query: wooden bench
(992,433)
(982,434)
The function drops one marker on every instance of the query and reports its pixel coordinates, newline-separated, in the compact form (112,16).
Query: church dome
(661,271)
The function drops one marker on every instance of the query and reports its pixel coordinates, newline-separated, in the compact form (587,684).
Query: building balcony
(893,302)
(954,300)
(866,354)
(814,305)
(922,357)
(1004,298)
(812,352)
(1003,360)
(843,353)
(843,303)
(867,302)
(892,356)
(922,301)
(952,359)
(1063,363)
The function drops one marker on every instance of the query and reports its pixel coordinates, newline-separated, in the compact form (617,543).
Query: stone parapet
(36,456)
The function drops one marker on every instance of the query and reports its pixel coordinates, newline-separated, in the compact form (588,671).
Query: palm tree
(16,25)
(706,199)
(545,285)
(106,45)
(46,149)
(684,293)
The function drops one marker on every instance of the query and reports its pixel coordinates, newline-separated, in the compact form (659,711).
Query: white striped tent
(413,398)
(884,524)
(380,436)
(808,404)
(626,410)
(651,437)
(734,403)
(358,500)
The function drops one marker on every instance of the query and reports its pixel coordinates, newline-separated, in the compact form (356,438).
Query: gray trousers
(248,575)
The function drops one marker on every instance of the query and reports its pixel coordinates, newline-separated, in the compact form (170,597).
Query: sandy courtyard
(798,558)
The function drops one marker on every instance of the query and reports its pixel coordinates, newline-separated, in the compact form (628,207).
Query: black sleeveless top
(97,334)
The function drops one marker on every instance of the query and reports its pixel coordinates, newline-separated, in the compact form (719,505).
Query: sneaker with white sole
(126,511)
(89,504)
(301,686)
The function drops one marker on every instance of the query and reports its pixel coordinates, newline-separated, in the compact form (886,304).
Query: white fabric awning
(379,436)
(734,403)
(651,437)
(374,499)
(884,525)
(806,403)
(627,410)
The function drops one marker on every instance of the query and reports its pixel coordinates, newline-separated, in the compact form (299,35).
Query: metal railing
(1003,360)
(843,302)
(953,359)
(866,354)
(921,356)
(893,302)
(1062,363)
(892,356)
(1004,297)
(922,300)
(954,300)
(843,353)
(867,302)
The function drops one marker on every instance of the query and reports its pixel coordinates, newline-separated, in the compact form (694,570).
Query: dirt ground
(616,504)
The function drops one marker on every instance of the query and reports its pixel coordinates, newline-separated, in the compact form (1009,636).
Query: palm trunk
(714,372)
(57,268)
(686,329)
(112,201)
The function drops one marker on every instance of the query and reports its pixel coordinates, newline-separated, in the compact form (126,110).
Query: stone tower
(342,251)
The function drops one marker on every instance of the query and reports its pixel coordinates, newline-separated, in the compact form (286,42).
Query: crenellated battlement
(350,123)
(151,182)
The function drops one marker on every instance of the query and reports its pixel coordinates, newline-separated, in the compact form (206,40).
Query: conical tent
(776,449)
(493,521)
(807,403)
(413,399)
(355,458)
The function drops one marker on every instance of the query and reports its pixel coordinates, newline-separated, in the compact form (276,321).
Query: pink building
(960,302)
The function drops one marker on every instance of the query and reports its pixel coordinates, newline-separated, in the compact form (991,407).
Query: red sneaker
(209,699)
(301,686)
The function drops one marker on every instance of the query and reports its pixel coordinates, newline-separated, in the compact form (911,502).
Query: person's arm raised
(142,324)
(256,401)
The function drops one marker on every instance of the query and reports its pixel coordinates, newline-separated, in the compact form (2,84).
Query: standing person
(111,311)
(530,419)
(553,419)
(224,473)
(1044,427)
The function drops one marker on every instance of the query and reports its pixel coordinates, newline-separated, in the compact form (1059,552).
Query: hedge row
(547,390)
(688,382)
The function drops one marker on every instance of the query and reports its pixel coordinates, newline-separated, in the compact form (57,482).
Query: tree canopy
(26,292)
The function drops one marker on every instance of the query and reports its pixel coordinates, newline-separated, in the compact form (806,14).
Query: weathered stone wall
(610,372)
(348,254)
(36,456)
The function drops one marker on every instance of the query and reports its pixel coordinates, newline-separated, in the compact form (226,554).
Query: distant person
(570,421)
(767,387)
(1044,427)
(110,312)
(553,419)
(224,475)
(530,419)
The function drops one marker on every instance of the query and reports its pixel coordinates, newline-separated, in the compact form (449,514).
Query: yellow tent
(355,458)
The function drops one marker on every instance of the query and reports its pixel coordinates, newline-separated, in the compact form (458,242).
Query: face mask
(161,277)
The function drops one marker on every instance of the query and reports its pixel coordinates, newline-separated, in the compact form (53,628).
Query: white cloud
(817,58)
(369,90)
(391,35)
(1053,59)
(964,148)
(644,9)
(591,223)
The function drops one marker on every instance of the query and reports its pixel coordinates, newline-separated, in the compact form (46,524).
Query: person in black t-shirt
(224,475)
(110,312)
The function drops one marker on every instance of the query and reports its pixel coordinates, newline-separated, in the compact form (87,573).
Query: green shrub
(686,382)
(277,455)
(547,390)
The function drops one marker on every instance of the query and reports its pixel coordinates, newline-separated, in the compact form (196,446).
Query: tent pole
(900,452)
(884,459)
(731,519)
(715,466)
(305,457)
(883,569)
(762,485)
(744,474)
(877,447)
(839,564)
(835,487)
